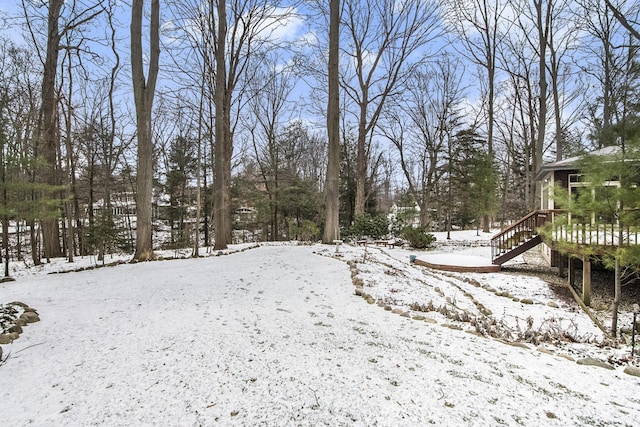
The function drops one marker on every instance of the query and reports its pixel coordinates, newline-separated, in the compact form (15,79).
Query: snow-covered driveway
(273,336)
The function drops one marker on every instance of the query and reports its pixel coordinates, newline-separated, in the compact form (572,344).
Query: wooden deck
(558,230)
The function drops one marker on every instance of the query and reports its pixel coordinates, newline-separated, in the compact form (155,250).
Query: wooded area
(213,121)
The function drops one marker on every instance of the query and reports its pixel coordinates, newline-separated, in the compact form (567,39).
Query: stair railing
(518,233)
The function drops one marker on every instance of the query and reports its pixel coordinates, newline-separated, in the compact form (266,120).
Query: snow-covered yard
(276,335)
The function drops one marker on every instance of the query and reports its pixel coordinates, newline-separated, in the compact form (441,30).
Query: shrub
(305,231)
(374,227)
(418,238)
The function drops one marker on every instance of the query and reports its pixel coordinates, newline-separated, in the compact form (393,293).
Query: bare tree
(48,130)
(606,66)
(144,91)
(562,42)
(536,50)
(520,115)
(332,180)
(384,38)
(477,24)
(625,19)
(20,111)
(192,52)
(199,161)
(542,18)
(271,109)
(111,151)
(69,163)
(421,127)
(224,143)
(535,21)
(244,29)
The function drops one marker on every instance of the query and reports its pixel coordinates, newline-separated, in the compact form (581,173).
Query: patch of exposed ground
(602,283)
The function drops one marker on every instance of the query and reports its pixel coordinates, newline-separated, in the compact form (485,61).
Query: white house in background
(245,214)
(409,215)
(121,205)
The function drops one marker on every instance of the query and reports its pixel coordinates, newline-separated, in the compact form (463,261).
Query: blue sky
(296,29)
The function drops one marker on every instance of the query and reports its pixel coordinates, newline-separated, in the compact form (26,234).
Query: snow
(275,335)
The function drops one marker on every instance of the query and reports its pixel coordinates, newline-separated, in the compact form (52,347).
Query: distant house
(245,214)
(122,205)
(407,215)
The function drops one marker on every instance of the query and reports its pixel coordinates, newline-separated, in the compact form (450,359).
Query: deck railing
(593,233)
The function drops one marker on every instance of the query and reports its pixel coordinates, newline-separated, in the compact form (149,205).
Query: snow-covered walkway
(273,336)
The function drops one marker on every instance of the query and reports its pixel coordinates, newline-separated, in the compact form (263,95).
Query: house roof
(572,163)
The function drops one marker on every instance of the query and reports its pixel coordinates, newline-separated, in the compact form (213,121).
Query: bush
(305,231)
(418,238)
(367,226)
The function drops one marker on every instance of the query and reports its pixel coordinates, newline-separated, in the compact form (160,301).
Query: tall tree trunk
(617,295)
(34,234)
(5,238)
(616,298)
(205,214)
(332,180)
(143,95)
(211,206)
(362,159)
(228,152)
(70,195)
(109,152)
(196,237)
(543,31)
(5,218)
(491,72)
(557,114)
(276,204)
(49,130)
(221,183)
(607,95)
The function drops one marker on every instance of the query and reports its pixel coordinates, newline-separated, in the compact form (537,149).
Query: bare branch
(623,20)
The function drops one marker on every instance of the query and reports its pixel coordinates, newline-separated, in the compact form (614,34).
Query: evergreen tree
(603,214)
(300,207)
(608,200)
(182,165)
(474,179)
(347,183)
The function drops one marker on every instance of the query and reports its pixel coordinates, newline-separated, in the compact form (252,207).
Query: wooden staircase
(518,237)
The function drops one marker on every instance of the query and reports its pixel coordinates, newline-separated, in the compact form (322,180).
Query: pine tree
(608,201)
(474,179)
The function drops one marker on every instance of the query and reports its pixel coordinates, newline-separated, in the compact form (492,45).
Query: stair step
(514,252)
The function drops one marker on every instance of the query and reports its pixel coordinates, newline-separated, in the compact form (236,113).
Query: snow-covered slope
(276,336)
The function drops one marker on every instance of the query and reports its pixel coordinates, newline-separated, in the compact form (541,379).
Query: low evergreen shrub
(418,238)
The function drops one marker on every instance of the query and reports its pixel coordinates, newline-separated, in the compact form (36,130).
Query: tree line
(292,119)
